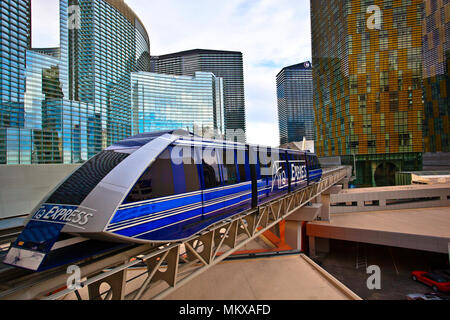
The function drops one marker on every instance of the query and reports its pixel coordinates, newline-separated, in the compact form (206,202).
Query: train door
(212,185)
(265,183)
(274,174)
(245,177)
(236,195)
(255,173)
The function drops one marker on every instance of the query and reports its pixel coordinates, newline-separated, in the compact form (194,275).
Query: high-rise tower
(295,103)
(227,65)
(367,58)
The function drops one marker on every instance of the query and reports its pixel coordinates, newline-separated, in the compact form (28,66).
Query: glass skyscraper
(295,103)
(15,36)
(110,44)
(65,104)
(368,85)
(168,102)
(436,67)
(227,65)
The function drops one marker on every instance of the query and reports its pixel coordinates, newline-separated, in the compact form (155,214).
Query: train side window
(229,167)
(283,163)
(265,157)
(190,172)
(243,158)
(211,171)
(156,182)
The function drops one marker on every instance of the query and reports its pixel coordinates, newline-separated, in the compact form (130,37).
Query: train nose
(33,245)
(25,259)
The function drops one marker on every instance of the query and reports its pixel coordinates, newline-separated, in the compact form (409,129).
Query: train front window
(156,182)
(78,186)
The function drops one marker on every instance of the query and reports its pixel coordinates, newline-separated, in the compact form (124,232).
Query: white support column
(312,247)
(293,234)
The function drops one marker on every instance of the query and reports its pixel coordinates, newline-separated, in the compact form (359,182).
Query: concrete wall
(330,161)
(436,161)
(22,187)
(390,198)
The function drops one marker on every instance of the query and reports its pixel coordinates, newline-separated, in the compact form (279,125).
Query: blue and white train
(154,188)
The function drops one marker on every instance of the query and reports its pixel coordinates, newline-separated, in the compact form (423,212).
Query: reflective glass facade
(295,103)
(110,44)
(167,102)
(15,39)
(436,67)
(66,104)
(368,85)
(224,64)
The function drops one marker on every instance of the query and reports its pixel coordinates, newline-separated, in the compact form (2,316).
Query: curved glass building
(108,46)
(66,104)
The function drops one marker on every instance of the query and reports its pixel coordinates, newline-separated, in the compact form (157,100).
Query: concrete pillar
(322,245)
(345,183)
(325,213)
(293,234)
(318,199)
(312,247)
(318,245)
(374,169)
(326,199)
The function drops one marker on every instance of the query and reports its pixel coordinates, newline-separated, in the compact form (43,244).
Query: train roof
(133,143)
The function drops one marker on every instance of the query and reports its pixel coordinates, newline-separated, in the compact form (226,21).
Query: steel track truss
(171,265)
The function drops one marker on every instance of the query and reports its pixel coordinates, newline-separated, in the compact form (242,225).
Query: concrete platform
(426,229)
(293,277)
(390,198)
(281,278)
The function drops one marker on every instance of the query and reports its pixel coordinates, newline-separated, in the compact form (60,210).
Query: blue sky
(271,34)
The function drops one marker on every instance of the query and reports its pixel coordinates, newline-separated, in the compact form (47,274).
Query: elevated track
(168,266)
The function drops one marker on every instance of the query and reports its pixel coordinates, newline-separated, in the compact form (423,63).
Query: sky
(271,34)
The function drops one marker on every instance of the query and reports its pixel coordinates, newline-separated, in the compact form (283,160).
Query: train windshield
(78,186)
(172,173)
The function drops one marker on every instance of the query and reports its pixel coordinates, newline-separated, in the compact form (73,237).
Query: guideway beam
(171,265)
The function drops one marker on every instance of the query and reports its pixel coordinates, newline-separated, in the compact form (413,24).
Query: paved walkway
(281,278)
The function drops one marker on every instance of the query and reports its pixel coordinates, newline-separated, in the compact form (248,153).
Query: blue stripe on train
(155,208)
(148,227)
(170,210)
(169,216)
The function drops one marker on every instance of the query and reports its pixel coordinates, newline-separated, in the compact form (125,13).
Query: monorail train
(156,187)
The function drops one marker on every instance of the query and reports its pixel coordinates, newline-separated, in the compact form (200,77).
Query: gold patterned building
(367,57)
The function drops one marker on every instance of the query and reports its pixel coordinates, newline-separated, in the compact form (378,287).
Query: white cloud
(45,23)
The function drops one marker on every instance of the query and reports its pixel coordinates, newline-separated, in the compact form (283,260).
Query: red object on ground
(436,281)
